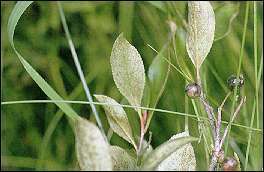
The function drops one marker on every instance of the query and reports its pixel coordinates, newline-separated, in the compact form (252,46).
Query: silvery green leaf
(182,159)
(201,27)
(121,160)
(117,118)
(128,70)
(133,119)
(92,150)
(163,151)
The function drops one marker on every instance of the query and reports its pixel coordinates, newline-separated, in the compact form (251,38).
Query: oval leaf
(182,159)
(121,160)
(117,118)
(92,150)
(201,27)
(128,70)
(165,150)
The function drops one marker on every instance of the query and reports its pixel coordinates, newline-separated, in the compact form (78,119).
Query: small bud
(232,81)
(193,90)
(230,164)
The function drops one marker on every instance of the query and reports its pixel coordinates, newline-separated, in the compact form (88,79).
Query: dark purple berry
(232,81)
(193,90)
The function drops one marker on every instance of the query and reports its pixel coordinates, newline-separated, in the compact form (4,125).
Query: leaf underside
(182,159)
(165,150)
(128,70)
(201,27)
(121,160)
(92,150)
(117,118)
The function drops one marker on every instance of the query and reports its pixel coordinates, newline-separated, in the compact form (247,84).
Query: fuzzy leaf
(93,152)
(182,159)
(133,119)
(117,118)
(165,150)
(201,22)
(128,70)
(121,160)
(224,16)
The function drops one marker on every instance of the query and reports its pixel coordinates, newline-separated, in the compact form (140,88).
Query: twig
(218,124)
(210,112)
(229,124)
(213,163)
(218,145)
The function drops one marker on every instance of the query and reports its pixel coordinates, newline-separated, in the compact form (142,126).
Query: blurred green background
(94,26)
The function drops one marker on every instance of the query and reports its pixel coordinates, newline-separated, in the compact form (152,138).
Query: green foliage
(93,152)
(94,26)
(183,159)
(128,71)
(164,150)
(117,118)
(224,16)
(121,159)
(201,22)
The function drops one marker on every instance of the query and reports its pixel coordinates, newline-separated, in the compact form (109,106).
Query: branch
(229,124)
(210,112)
(218,124)
(217,148)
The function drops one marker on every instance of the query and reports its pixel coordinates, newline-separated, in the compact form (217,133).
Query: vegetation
(35,133)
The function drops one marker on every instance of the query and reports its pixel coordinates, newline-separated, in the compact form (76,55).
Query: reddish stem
(143,121)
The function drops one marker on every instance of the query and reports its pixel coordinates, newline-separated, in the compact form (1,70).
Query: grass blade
(239,70)
(128,106)
(78,67)
(17,12)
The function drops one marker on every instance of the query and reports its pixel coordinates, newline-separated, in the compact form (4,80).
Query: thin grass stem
(125,106)
(241,54)
(78,67)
